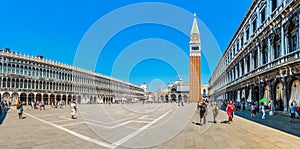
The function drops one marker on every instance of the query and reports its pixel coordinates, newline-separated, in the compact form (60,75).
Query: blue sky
(55,29)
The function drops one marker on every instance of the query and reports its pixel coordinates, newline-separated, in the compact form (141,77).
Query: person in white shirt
(263,111)
(73,109)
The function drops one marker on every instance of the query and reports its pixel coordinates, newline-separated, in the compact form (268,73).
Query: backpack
(202,109)
(296,108)
(18,106)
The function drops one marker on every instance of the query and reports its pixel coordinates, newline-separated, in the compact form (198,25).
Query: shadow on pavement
(3,115)
(224,122)
(197,123)
(211,122)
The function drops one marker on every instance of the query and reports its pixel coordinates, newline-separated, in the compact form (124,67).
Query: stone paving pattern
(242,133)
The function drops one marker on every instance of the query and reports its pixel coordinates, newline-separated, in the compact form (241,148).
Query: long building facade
(263,58)
(28,79)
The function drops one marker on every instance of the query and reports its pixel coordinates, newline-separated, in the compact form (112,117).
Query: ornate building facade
(178,91)
(263,57)
(195,59)
(29,79)
(175,92)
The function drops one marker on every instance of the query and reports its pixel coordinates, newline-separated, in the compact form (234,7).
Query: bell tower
(195,63)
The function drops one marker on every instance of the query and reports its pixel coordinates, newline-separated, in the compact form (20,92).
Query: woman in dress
(229,111)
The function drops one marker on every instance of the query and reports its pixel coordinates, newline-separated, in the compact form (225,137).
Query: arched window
(12,83)
(36,84)
(4,68)
(21,83)
(264,54)
(36,72)
(25,83)
(8,68)
(13,69)
(29,83)
(26,71)
(8,82)
(47,73)
(21,70)
(41,85)
(277,49)
(274,5)
(41,72)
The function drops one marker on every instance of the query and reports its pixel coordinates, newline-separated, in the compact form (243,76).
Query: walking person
(253,111)
(292,110)
(215,111)
(229,111)
(202,112)
(32,104)
(296,108)
(198,107)
(5,106)
(42,106)
(1,107)
(73,110)
(20,109)
(263,111)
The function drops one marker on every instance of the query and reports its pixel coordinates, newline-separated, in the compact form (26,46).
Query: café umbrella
(263,100)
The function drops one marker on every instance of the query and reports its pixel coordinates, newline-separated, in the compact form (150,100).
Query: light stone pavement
(135,126)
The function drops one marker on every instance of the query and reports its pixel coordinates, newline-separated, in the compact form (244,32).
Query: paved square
(135,126)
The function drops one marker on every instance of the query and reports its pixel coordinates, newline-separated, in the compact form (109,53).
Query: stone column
(259,61)
(272,96)
(245,38)
(55,100)
(240,69)
(15,83)
(67,99)
(250,28)
(6,83)
(285,103)
(26,83)
(252,92)
(258,14)
(268,8)
(34,97)
(270,52)
(251,61)
(298,29)
(42,97)
(49,99)
(245,66)
(27,100)
(237,71)
(240,43)
(233,74)
(283,49)
(236,47)
(286,36)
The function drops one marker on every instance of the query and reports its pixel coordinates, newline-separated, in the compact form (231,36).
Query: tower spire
(195,29)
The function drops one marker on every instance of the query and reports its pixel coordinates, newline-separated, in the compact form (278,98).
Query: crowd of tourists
(19,105)
(4,106)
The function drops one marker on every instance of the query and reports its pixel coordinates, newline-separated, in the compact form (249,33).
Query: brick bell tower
(195,63)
